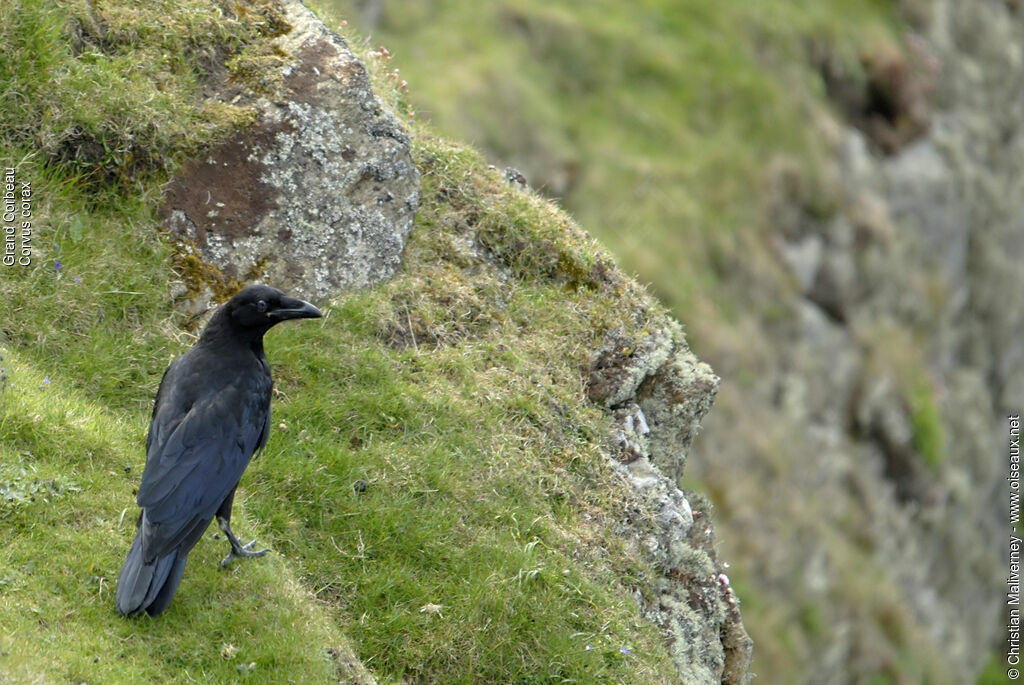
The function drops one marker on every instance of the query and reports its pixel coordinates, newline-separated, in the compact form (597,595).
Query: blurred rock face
(319,194)
(881,410)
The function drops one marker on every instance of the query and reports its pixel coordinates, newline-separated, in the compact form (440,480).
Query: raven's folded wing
(196,456)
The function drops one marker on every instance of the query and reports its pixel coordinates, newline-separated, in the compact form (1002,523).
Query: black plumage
(211,416)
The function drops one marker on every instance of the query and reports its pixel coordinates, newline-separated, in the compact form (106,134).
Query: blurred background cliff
(830,197)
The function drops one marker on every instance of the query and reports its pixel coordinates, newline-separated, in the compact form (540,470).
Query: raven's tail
(148,587)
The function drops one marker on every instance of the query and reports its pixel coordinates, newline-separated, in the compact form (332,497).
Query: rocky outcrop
(317,195)
(659,392)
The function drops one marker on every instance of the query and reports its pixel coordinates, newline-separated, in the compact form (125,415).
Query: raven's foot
(238,550)
(241,551)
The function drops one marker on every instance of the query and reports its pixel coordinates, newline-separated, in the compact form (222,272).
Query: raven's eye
(261,306)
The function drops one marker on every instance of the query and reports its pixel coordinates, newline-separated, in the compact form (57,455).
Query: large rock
(316,196)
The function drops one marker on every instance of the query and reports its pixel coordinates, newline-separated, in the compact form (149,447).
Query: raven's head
(258,307)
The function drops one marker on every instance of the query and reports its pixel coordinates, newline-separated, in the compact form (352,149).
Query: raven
(210,417)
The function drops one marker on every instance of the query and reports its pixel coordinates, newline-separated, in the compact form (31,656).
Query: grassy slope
(477,551)
(665,114)
(672,115)
(679,117)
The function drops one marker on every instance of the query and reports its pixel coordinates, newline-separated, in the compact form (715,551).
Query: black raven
(211,416)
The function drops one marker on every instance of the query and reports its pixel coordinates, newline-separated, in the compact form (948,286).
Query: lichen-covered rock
(658,392)
(317,195)
(675,398)
(622,365)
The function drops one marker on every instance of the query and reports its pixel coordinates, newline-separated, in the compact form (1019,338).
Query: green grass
(678,133)
(443,391)
(64,533)
(474,487)
(995,670)
(112,90)
(435,495)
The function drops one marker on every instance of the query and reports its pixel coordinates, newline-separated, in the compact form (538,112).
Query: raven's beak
(294,308)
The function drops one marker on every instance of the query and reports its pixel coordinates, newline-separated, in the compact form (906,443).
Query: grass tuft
(113,91)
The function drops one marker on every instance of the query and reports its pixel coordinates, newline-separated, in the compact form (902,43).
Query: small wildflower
(344,23)
(624,650)
(404,85)
(46,381)
(431,608)
(57,265)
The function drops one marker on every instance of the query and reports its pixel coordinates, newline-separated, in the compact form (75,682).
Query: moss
(199,275)
(926,424)
(264,16)
(203,280)
(258,68)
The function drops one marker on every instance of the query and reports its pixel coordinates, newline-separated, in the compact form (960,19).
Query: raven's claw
(241,551)
(238,550)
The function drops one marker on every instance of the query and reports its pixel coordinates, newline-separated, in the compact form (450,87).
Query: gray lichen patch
(623,363)
(675,398)
(318,195)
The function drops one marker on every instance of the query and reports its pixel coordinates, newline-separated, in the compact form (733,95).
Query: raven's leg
(237,548)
